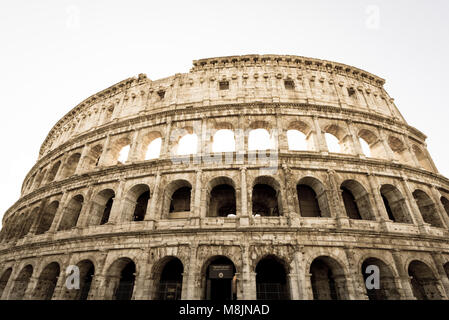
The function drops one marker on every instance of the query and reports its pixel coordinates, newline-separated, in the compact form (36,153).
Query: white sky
(54,54)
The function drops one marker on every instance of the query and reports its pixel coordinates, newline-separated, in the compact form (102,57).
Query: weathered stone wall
(56,222)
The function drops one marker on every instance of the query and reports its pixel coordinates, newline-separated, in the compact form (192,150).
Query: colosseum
(249,177)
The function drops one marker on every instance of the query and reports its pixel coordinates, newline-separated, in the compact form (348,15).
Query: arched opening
(296,140)
(387,287)
(135,203)
(445,203)
(399,150)
(356,200)
(181,200)
(266,198)
(53,171)
(93,157)
(333,145)
(188,144)
(28,221)
(70,165)
(39,179)
(47,217)
(141,206)
(312,198)
(365,147)
(47,282)
(271,279)
(221,198)
(328,279)
(424,284)
(121,277)
(71,213)
(220,279)
(170,280)
(371,145)
(260,139)
(427,208)
(86,274)
(352,210)
(118,151)
(394,204)
(299,136)
(153,149)
(178,198)
(123,154)
(4,280)
(21,283)
(223,141)
(101,207)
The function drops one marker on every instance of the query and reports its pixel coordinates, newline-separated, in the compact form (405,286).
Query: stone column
(282,143)
(166,143)
(357,148)
(80,167)
(440,208)
(298,279)
(336,202)
(289,211)
(244,218)
(240,146)
(134,148)
(319,140)
(85,210)
(375,197)
(104,154)
(152,208)
(199,211)
(406,291)
(415,212)
(439,263)
(355,276)
(141,288)
(189,292)
(248,277)
(389,153)
(117,206)
(59,212)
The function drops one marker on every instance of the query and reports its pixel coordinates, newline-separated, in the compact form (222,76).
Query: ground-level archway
(423,281)
(220,279)
(46,283)
(21,283)
(86,274)
(271,279)
(169,279)
(120,279)
(387,287)
(328,279)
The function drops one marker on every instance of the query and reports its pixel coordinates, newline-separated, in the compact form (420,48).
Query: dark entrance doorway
(170,283)
(271,280)
(220,280)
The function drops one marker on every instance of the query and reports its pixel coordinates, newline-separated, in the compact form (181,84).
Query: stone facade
(288,224)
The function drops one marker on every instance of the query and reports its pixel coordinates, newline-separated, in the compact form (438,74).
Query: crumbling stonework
(242,224)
